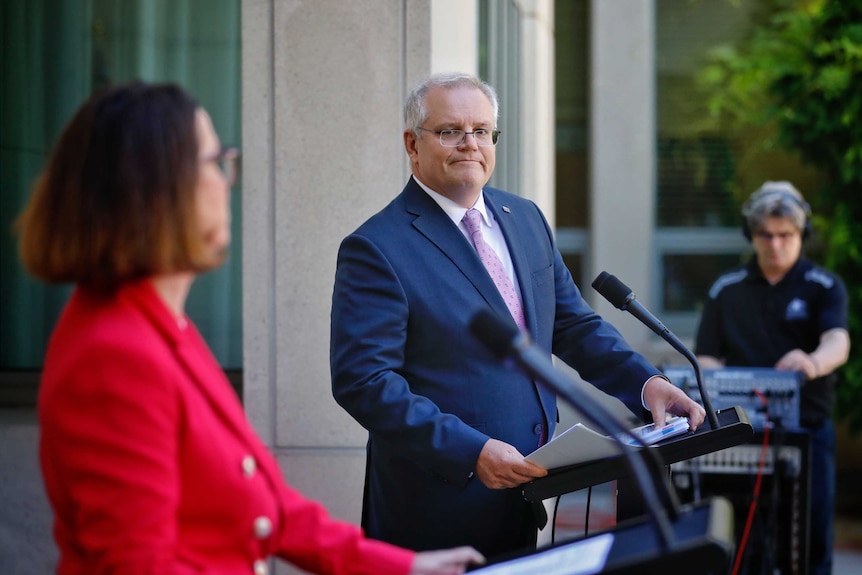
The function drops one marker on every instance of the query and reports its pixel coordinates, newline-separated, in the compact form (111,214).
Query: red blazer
(151,465)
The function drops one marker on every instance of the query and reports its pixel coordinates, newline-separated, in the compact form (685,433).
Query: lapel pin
(507,210)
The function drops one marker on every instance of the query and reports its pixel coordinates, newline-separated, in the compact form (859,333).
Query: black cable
(771,532)
(554,521)
(587,518)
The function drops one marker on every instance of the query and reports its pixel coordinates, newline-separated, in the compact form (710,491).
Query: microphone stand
(504,339)
(621,297)
(698,374)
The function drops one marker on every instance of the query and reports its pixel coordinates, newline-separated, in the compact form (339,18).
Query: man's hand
(662,397)
(709,362)
(832,352)
(500,466)
(798,360)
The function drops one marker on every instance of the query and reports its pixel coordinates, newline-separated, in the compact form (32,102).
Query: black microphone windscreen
(612,289)
(494,332)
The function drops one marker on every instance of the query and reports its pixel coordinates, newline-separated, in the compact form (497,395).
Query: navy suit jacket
(406,367)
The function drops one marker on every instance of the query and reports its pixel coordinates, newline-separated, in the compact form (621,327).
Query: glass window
(704,170)
(571,40)
(500,65)
(54,55)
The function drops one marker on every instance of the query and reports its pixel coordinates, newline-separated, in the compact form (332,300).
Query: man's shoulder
(498,196)
(528,212)
(813,273)
(385,217)
(729,279)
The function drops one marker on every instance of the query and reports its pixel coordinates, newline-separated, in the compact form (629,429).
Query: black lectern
(735,428)
(703,545)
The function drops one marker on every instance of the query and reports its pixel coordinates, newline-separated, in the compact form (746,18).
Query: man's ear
(410,143)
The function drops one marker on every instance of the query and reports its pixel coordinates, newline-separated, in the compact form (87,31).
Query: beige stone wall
(323,83)
(622,152)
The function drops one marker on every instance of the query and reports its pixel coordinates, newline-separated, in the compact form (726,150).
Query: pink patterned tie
(473,221)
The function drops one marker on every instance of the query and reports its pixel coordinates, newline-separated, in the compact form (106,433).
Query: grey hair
(776,200)
(415,112)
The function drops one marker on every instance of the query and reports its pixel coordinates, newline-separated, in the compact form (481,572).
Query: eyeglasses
(454,138)
(227,161)
(780,236)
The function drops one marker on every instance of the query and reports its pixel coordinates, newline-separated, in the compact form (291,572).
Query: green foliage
(800,72)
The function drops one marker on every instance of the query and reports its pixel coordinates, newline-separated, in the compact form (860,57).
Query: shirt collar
(453,210)
(754,271)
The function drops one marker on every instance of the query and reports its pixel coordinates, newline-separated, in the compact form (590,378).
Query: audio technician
(781,310)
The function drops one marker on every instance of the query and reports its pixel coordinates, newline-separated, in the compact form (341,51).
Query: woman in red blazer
(148,460)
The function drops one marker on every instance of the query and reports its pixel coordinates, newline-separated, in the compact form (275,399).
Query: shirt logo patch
(796,309)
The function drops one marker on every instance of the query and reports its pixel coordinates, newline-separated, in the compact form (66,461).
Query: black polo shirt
(748,322)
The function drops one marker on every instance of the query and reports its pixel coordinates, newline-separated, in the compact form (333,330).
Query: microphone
(511,345)
(622,297)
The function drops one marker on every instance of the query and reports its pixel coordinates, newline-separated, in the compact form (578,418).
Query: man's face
(777,243)
(459,173)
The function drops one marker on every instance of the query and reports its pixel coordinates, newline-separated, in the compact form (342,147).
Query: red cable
(761,464)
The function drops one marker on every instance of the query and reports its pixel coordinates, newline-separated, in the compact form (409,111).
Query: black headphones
(772,189)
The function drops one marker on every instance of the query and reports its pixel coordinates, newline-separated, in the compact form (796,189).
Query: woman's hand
(446,561)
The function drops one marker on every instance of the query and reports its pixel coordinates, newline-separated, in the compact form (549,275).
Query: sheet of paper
(577,444)
(577,558)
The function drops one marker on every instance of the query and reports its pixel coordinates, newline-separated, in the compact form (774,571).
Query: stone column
(622,154)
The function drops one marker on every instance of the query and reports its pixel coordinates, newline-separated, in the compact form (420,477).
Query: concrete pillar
(323,85)
(622,154)
(537,75)
(454,29)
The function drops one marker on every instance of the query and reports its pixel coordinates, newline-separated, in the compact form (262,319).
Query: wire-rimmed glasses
(454,138)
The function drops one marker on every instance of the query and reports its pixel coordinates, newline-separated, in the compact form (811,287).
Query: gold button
(249,466)
(260,567)
(262,527)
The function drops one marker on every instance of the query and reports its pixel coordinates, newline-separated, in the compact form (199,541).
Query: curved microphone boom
(510,344)
(619,294)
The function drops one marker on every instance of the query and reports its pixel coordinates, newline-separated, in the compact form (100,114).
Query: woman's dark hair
(115,201)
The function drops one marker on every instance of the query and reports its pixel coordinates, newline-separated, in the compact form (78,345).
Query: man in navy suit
(448,423)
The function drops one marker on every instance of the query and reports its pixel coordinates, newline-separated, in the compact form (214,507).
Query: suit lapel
(432,222)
